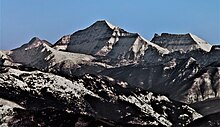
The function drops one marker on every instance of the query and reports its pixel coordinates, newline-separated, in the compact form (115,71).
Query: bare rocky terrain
(105,76)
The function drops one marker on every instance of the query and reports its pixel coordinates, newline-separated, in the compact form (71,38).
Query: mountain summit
(105,39)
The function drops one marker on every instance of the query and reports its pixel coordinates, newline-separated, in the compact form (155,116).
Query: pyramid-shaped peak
(33,43)
(103,23)
(34,40)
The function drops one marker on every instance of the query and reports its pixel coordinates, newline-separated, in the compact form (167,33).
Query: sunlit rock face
(184,42)
(5,60)
(109,41)
(62,43)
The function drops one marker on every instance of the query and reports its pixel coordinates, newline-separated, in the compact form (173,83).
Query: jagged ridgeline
(106,76)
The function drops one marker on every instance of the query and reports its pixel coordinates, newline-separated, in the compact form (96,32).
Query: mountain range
(106,76)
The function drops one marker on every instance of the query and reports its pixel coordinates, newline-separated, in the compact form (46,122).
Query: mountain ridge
(102,68)
(186,42)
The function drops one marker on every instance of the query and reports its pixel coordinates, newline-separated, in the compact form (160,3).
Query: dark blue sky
(20,20)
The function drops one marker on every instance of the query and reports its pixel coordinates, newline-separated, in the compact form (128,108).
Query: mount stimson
(105,76)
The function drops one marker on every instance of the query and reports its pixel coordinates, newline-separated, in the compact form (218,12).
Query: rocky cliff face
(184,42)
(106,76)
(183,80)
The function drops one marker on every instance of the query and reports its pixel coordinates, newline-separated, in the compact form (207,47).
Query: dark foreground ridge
(86,98)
